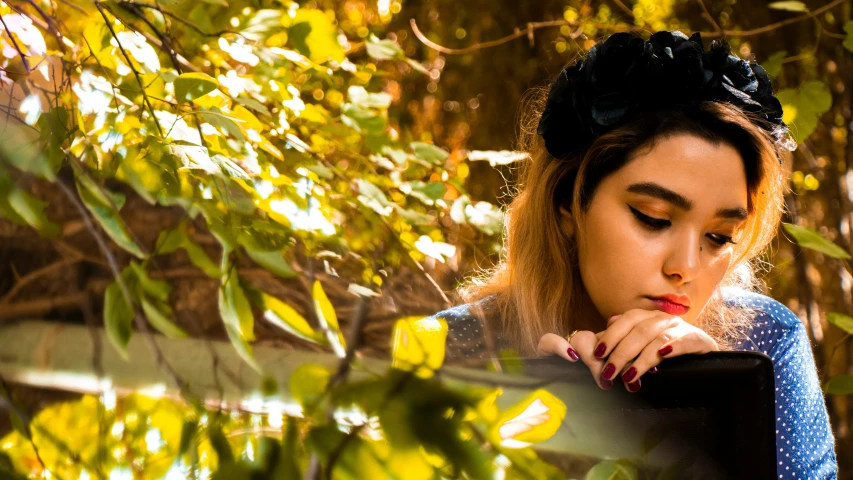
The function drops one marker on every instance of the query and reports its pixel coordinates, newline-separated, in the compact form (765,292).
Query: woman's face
(660,225)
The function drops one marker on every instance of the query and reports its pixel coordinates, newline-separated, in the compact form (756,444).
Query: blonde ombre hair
(536,286)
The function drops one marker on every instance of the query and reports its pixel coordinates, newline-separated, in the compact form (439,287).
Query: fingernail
(653,370)
(599,350)
(629,375)
(633,387)
(665,350)
(608,372)
(572,354)
(606,384)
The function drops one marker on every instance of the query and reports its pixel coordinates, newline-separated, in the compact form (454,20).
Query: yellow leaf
(419,343)
(328,319)
(308,383)
(533,420)
(268,147)
(285,317)
(249,119)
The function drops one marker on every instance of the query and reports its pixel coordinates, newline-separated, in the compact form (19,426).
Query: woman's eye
(654,223)
(718,240)
(721,240)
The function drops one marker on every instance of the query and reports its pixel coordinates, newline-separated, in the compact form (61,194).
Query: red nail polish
(665,350)
(572,354)
(629,375)
(633,387)
(606,384)
(599,350)
(653,370)
(608,372)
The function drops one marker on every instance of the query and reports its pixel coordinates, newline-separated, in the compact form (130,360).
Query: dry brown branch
(34,275)
(613,28)
(35,308)
(707,15)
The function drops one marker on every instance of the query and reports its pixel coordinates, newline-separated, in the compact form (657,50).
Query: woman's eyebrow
(680,201)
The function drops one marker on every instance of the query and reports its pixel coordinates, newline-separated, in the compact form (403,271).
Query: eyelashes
(659,224)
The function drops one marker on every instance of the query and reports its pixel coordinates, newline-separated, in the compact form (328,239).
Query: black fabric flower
(625,73)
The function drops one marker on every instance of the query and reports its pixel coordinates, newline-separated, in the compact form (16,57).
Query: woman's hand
(580,349)
(633,343)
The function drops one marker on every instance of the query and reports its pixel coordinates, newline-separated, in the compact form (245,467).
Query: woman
(656,179)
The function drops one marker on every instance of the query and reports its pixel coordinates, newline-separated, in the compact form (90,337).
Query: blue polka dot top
(805,445)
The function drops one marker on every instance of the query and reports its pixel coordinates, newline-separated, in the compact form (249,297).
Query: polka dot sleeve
(805,445)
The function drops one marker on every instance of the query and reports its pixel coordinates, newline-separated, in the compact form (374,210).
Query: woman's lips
(669,307)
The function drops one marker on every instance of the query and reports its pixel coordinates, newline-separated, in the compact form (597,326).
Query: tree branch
(613,28)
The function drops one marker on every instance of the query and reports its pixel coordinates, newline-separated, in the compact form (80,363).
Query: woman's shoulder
(773,321)
(768,306)
(465,330)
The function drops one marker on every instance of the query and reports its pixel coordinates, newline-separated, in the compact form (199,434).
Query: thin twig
(139,321)
(825,372)
(127,58)
(15,44)
(181,20)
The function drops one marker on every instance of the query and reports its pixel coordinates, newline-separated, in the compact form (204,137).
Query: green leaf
(328,319)
(160,320)
(429,153)
(802,107)
(808,238)
(362,119)
(109,219)
(226,123)
(189,86)
(229,167)
(220,445)
(372,197)
(383,49)
(612,470)
(272,261)
(236,312)
(188,433)
(484,216)
(31,210)
(359,96)
(428,192)
(790,6)
(357,460)
(314,35)
(841,321)
(413,217)
(20,148)
(773,64)
(175,238)
(848,41)
(839,385)
(118,317)
(286,318)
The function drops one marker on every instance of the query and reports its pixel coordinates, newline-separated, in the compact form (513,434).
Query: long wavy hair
(536,286)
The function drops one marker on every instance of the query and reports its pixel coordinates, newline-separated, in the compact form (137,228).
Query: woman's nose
(684,259)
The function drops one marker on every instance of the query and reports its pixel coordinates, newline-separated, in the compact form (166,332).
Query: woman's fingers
(684,337)
(553,344)
(584,342)
(641,332)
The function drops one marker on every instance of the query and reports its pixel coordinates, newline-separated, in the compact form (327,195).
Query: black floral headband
(624,74)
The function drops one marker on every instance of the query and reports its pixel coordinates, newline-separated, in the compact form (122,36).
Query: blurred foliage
(319,133)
